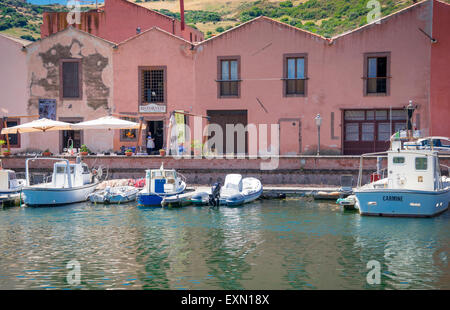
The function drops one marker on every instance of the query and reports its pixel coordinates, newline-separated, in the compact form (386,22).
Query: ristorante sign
(152,108)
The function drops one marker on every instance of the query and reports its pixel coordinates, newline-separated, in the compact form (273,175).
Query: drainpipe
(182,14)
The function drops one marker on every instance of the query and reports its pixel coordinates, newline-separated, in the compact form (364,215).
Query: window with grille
(70,79)
(229,77)
(377,73)
(152,85)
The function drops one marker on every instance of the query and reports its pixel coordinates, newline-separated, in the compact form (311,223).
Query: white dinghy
(71,182)
(237,190)
(114,195)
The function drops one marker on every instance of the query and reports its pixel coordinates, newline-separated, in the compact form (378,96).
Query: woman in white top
(150,143)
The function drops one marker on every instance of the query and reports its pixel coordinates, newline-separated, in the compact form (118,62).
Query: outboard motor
(215,194)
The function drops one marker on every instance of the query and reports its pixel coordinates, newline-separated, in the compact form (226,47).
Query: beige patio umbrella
(39,125)
(111,122)
(108,122)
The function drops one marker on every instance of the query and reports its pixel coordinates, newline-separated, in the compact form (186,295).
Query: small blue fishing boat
(160,183)
(413,187)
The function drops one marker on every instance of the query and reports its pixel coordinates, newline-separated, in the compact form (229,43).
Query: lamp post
(318,121)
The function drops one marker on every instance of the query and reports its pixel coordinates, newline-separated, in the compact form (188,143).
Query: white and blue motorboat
(9,184)
(413,186)
(71,182)
(160,183)
(237,191)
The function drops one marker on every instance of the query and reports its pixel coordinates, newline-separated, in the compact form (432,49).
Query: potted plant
(128,152)
(6,152)
(162,152)
(46,153)
(196,147)
(84,150)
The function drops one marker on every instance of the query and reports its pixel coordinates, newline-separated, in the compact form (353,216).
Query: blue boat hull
(149,200)
(239,199)
(406,203)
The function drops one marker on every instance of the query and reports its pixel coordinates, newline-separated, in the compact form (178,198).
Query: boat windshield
(11,175)
(62,169)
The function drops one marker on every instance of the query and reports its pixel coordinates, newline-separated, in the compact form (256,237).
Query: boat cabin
(8,180)
(162,180)
(79,174)
(414,170)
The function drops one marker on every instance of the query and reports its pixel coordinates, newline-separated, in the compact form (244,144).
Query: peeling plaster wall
(43,59)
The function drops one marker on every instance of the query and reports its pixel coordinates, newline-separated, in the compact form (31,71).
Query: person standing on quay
(150,143)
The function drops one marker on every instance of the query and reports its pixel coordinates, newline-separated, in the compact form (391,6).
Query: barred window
(152,85)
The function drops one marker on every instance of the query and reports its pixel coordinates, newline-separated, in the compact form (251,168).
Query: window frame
(426,163)
(3,137)
(388,77)
(129,118)
(285,73)
(80,79)
(398,163)
(219,76)
(141,69)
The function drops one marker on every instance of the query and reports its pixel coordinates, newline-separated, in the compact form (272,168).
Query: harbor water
(269,244)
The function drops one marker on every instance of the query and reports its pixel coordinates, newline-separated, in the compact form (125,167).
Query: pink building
(13,81)
(267,72)
(261,72)
(118,20)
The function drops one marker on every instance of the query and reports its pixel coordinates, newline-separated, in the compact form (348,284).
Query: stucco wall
(13,82)
(440,71)
(335,73)
(153,48)
(43,60)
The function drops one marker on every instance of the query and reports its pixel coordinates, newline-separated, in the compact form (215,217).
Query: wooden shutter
(71,79)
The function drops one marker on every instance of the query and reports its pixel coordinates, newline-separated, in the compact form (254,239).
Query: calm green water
(292,244)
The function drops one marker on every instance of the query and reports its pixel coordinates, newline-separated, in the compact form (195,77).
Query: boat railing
(368,155)
(445,166)
(182,177)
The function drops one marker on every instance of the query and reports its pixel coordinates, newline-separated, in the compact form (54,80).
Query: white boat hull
(46,196)
(406,203)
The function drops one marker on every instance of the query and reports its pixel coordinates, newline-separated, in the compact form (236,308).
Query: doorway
(157,130)
(232,117)
(70,135)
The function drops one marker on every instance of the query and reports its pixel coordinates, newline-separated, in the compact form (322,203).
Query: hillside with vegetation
(325,17)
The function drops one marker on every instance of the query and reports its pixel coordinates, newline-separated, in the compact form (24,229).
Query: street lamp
(318,121)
